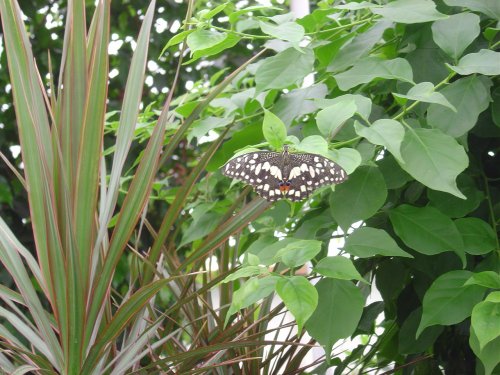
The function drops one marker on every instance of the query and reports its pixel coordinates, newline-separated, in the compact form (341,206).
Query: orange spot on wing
(284,188)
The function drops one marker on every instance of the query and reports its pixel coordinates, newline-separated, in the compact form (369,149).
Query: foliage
(405,98)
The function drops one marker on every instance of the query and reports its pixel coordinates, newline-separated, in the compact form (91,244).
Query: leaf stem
(494,221)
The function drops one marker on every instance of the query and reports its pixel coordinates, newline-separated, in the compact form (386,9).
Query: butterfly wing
(258,169)
(308,172)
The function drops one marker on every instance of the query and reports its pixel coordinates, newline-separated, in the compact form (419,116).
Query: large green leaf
(489,7)
(284,69)
(359,197)
(470,96)
(203,39)
(455,33)
(299,296)
(385,132)
(488,355)
(434,159)
(424,92)
(448,301)
(274,130)
(338,267)
(367,242)
(298,252)
(485,62)
(426,230)
(368,69)
(485,318)
(488,279)
(299,102)
(338,313)
(289,31)
(409,11)
(478,236)
(330,119)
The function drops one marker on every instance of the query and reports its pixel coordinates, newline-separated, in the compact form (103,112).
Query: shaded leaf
(478,236)
(359,197)
(448,301)
(367,242)
(289,31)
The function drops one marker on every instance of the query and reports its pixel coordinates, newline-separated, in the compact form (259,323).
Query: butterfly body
(276,175)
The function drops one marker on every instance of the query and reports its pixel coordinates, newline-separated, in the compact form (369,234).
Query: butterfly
(276,175)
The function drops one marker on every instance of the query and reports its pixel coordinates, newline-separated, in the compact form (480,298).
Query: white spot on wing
(266,166)
(297,194)
(295,172)
(257,169)
(311,171)
(266,187)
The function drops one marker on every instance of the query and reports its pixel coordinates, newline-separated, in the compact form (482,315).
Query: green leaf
(358,47)
(200,227)
(338,313)
(485,319)
(385,132)
(330,119)
(470,96)
(347,158)
(274,130)
(488,355)
(426,230)
(478,236)
(363,104)
(299,102)
(251,291)
(448,301)
(338,267)
(434,159)
(394,176)
(288,31)
(207,14)
(367,242)
(299,296)
(424,92)
(298,252)
(202,39)
(315,144)
(284,69)
(203,126)
(454,34)
(229,41)
(489,7)
(410,11)
(247,271)
(368,69)
(485,62)
(266,248)
(176,39)
(359,198)
(488,279)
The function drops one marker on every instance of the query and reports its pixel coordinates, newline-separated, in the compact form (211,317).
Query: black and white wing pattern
(258,169)
(293,176)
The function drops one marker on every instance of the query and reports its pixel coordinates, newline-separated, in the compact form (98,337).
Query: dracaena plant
(62,317)
(397,89)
